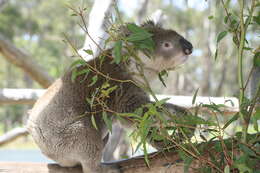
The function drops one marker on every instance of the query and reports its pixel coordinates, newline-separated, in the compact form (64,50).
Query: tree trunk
(24,61)
(98,21)
(12,135)
(142,11)
(255,84)
(29,96)
(19,96)
(159,162)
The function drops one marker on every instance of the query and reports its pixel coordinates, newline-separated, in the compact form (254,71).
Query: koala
(56,122)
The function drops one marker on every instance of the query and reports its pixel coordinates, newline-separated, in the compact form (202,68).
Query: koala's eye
(167,45)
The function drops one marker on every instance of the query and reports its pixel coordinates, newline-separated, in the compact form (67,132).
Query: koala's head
(171,49)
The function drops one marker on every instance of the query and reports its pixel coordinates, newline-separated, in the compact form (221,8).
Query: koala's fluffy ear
(150,25)
(157,20)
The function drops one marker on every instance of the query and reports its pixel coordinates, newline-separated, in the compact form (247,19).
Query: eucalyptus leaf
(107,120)
(117,52)
(94,122)
(221,35)
(195,96)
(94,80)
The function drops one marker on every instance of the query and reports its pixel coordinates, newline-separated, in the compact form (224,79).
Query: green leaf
(187,160)
(146,154)
(210,17)
(161,102)
(77,63)
(134,28)
(94,122)
(255,118)
(145,44)
(256,19)
(117,52)
(76,73)
(88,51)
(257,59)
(73,14)
(108,121)
(161,74)
(227,169)
(138,33)
(106,92)
(247,150)
(216,54)
(139,36)
(195,96)
(247,48)
(234,118)
(221,36)
(94,80)
(225,19)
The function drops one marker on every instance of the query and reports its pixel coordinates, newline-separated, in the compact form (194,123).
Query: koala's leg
(89,149)
(78,143)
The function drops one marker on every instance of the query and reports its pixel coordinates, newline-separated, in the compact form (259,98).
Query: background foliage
(37,26)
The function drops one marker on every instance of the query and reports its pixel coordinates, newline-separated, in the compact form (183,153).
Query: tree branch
(19,96)
(24,61)
(96,35)
(29,96)
(12,135)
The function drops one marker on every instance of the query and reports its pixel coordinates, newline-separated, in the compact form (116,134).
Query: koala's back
(57,121)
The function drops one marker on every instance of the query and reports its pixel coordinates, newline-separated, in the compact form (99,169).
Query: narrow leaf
(139,36)
(94,80)
(195,96)
(216,54)
(107,121)
(77,63)
(88,51)
(117,51)
(257,59)
(134,28)
(227,169)
(94,122)
(210,17)
(161,74)
(221,36)
(234,118)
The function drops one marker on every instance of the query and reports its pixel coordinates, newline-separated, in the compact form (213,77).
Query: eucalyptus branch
(235,33)
(249,76)
(243,28)
(94,69)
(253,103)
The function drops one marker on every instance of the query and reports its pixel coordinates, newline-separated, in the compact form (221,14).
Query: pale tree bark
(24,61)
(142,11)
(12,135)
(255,83)
(207,64)
(98,21)
(117,141)
(2,3)
(29,96)
(19,96)
(223,77)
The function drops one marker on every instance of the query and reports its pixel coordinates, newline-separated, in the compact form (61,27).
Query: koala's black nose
(186,46)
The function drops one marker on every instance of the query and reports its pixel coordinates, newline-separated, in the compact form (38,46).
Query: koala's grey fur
(56,122)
